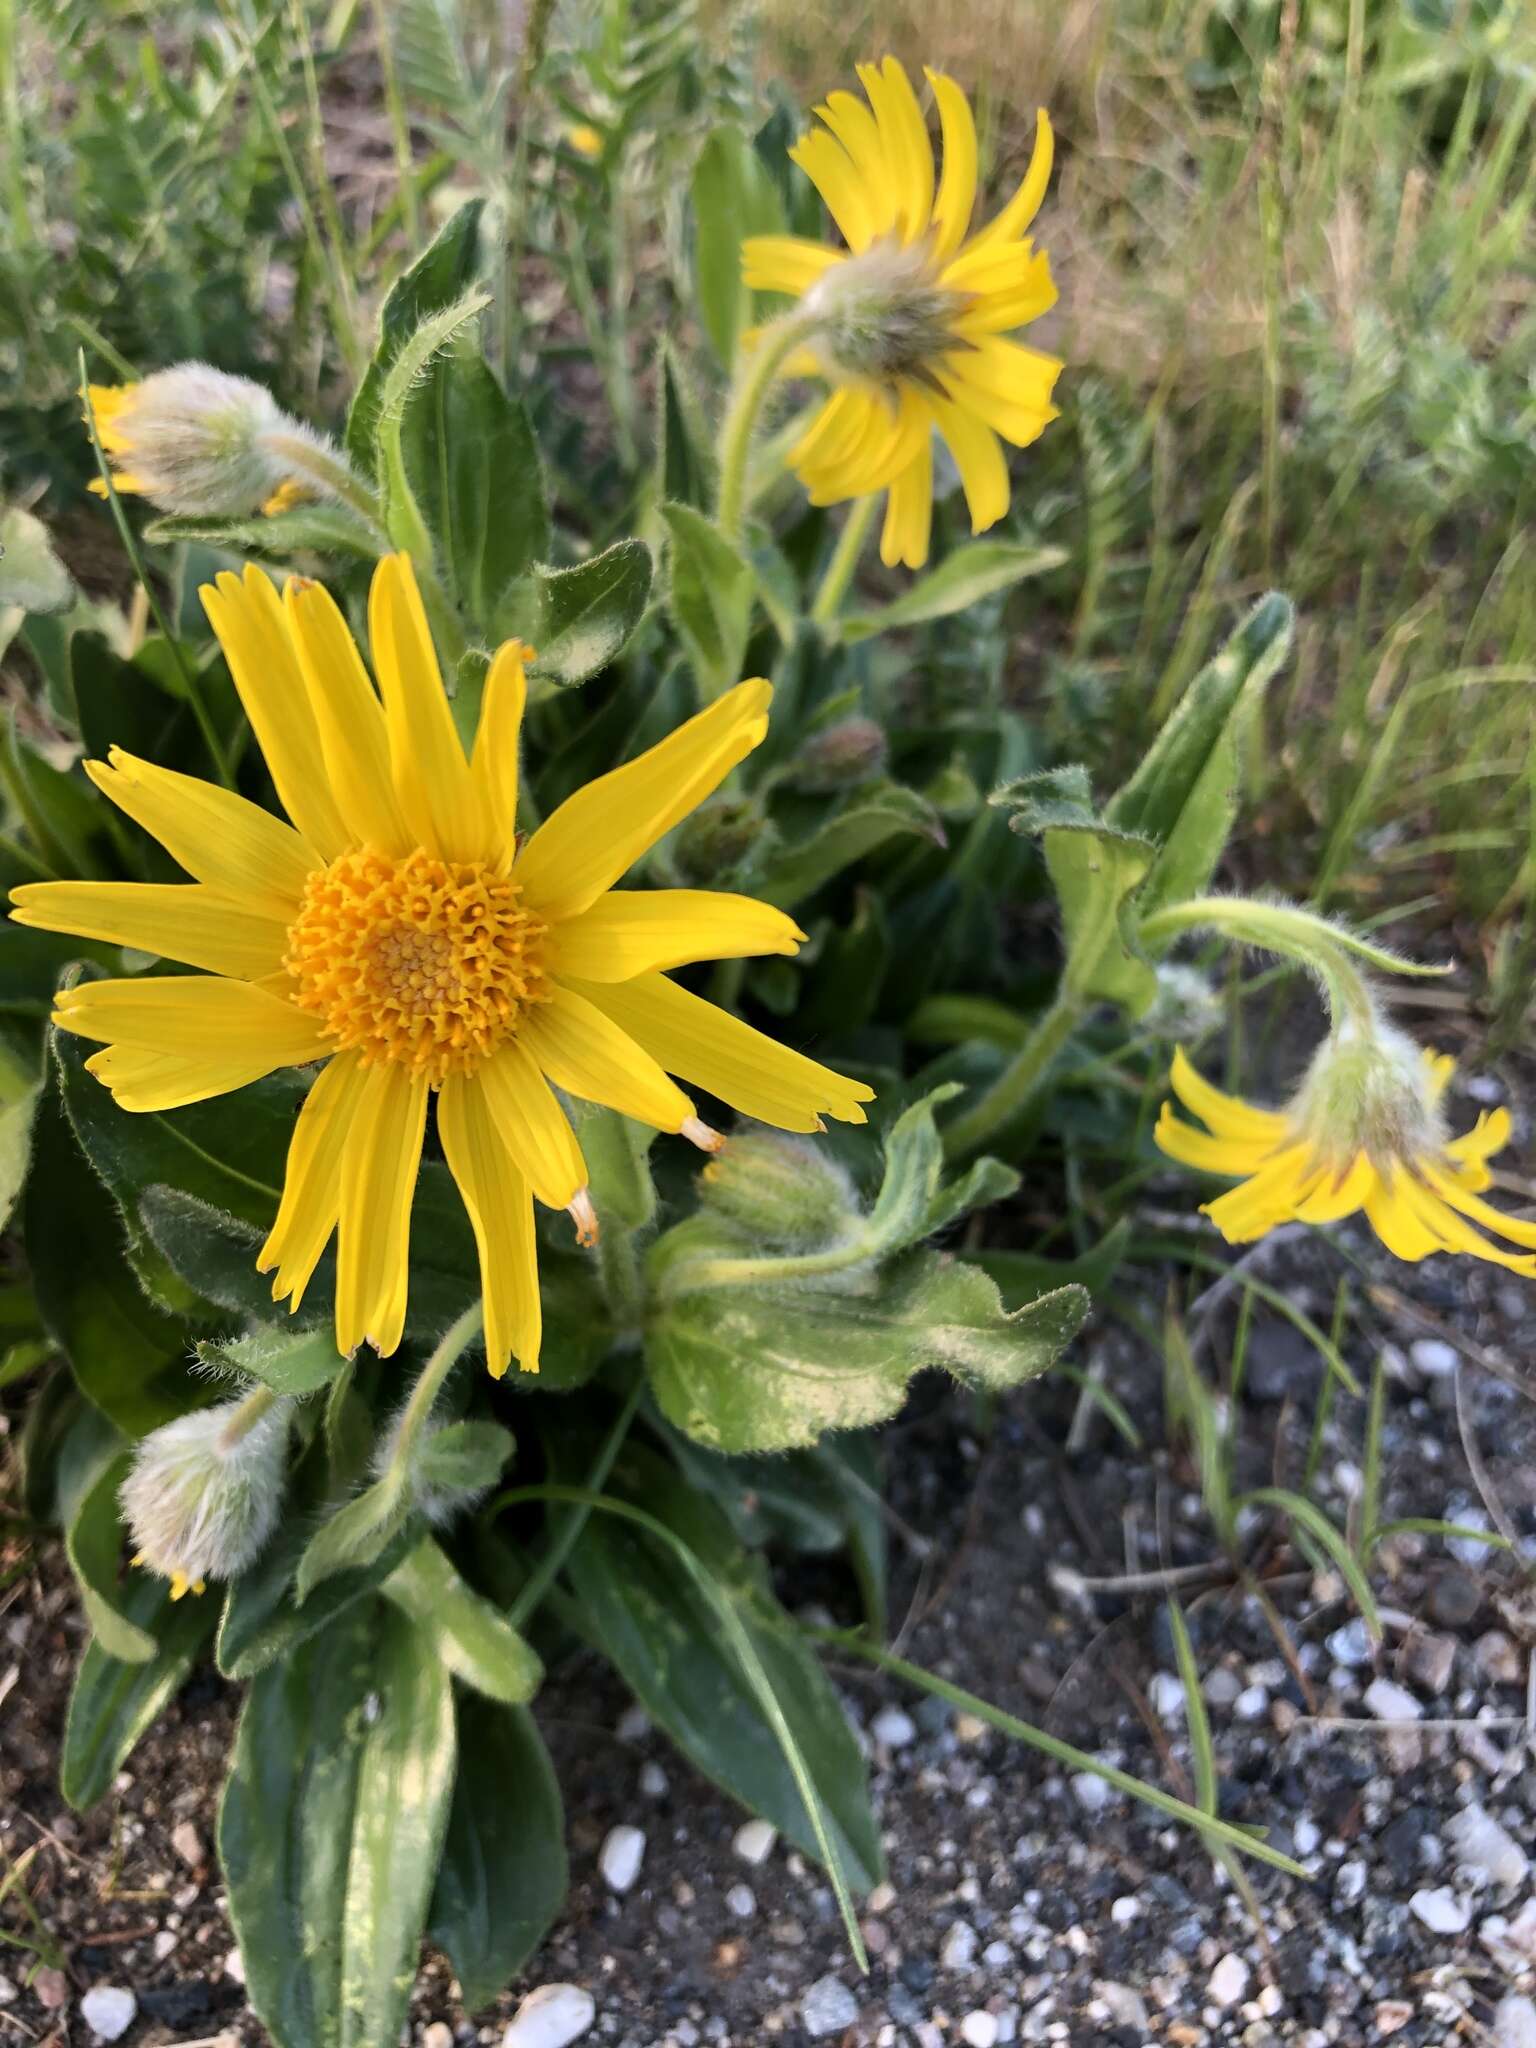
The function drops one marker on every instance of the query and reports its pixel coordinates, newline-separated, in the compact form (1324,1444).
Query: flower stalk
(754,380)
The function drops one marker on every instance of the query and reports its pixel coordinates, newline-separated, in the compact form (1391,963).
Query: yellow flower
(1319,1160)
(200,443)
(398,931)
(585,139)
(913,313)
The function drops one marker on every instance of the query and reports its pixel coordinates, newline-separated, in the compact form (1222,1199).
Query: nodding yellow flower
(398,931)
(1364,1131)
(201,443)
(585,139)
(914,313)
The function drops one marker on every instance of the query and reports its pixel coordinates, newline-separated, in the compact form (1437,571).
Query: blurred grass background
(1295,245)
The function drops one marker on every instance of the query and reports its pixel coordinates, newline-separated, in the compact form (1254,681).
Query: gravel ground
(1024,1904)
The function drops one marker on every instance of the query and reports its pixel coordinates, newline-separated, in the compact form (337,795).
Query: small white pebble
(1350,1645)
(622,1853)
(1482,1844)
(1090,1791)
(1252,1704)
(893,1728)
(551,2017)
(959,1949)
(438,2035)
(1229,1981)
(653,1781)
(234,1967)
(1306,1835)
(742,1901)
(1390,1702)
(1125,1910)
(979,2030)
(753,1841)
(108,2011)
(1514,2024)
(1166,1692)
(1433,1356)
(1441,1911)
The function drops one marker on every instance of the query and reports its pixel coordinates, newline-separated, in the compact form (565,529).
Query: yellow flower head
(1364,1131)
(198,442)
(397,931)
(585,139)
(912,315)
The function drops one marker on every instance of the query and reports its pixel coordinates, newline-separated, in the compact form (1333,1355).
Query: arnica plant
(640,803)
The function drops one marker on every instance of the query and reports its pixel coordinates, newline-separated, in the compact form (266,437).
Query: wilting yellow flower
(585,139)
(913,313)
(200,442)
(396,930)
(1341,1146)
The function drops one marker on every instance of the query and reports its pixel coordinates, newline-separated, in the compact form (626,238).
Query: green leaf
(463,1456)
(653,1622)
(16,1121)
(617,1151)
(355,1535)
(93,1542)
(1184,794)
(127,1357)
(961,579)
(32,578)
(298,1363)
(319,529)
(710,598)
(262,1621)
(684,462)
(503,1875)
(872,818)
(583,617)
(331,1827)
(733,197)
(113,1702)
(473,1638)
(474,468)
(766,1368)
(440,275)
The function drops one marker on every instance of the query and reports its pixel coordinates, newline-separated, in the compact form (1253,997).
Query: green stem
(457,1339)
(194,690)
(332,472)
(774,346)
(845,559)
(1295,934)
(552,1563)
(1019,1080)
(257,1403)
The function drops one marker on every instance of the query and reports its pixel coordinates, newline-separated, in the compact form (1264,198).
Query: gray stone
(828,2008)
(1441,1910)
(622,1853)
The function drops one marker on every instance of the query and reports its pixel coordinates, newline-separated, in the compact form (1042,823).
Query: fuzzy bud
(1185,1006)
(1369,1091)
(880,315)
(840,756)
(204,1493)
(199,442)
(780,1191)
(717,838)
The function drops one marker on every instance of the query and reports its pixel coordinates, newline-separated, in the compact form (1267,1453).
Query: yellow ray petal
(979,457)
(1234,1156)
(957,186)
(1439,1217)
(1515,1228)
(589,841)
(200,1016)
(641,931)
(1031,292)
(533,1126)
(1488,1135)
(908,522)
(139,1079)
(185,921)
(349,717)
(904,134)
(215,835)
(1266,1199)
(707,1046)
(501,1214)
(247,616)
(1339,1196)
(785,263)
(834,426)
(379,1162)
(845,195)
(1227,1115)
(1439,1067)
(1007,371)
(583,1051)
(496,743)
(311,1199)
(438,795)
(853,122)
(1025,203)
(1399,1225)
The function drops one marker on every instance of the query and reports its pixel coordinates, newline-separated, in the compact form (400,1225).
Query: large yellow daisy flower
(398,931)
(916,309)
(1419,1188)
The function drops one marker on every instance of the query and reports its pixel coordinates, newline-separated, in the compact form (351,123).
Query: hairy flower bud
(779,1190)
(200,443)
(840,756)
(1371,1092)
(717,839)
(204,1492)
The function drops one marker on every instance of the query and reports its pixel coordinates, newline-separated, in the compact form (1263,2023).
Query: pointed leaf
(962,579)
(710,598)
(473,1638)
(113,1702)
(583,617)
(441,274)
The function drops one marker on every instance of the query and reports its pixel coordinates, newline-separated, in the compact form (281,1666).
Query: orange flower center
(429,963)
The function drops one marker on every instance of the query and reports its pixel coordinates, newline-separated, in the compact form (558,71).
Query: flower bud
(197,441)
(840,756)
(779,1190)
(204,1492)
(715,841)
(1370,1091)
